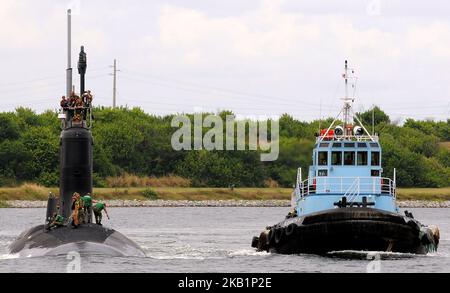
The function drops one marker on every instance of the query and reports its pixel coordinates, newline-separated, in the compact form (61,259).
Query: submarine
(345,204)
(76,169)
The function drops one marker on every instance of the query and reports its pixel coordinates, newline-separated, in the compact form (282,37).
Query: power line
(59,76)
(208,88)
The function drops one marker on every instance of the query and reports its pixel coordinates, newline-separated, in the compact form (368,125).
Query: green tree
(9,128)
(376,115)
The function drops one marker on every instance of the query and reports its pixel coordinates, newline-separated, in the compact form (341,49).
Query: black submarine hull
(350,228)
(88,239)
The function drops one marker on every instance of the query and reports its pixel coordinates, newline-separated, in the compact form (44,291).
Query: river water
(210,240)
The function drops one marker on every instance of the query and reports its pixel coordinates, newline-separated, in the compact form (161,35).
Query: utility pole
(114,74)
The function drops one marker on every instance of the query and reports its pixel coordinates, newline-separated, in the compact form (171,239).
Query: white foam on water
(438,254)
(359,254)
(187,257)
(9,256)
(247,252)
(176,252)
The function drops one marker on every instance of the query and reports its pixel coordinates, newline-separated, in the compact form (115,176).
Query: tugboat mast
(348,129)
(347,103)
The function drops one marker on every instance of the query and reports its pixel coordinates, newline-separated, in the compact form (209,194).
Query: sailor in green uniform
(98,208)
(87,207)
(57,221)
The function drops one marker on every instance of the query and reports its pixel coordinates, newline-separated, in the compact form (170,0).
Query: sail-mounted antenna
(69,54)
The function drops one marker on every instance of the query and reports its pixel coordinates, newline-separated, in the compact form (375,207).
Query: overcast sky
(253,57)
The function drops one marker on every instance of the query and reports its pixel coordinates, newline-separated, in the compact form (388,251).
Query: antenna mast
(347,102)
(69,54)
(347,111)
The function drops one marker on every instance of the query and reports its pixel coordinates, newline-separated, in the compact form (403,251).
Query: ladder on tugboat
(353,191)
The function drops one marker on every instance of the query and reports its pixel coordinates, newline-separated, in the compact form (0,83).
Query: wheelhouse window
(375,159)
(324,145)
(322,173)
(337,145)
(349,158)
(336,158)
(323,158)
(362,144)
(375,173)
(362,158)
(349,145)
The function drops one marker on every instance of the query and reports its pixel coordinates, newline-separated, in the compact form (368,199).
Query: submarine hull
(89,239)
(358,229)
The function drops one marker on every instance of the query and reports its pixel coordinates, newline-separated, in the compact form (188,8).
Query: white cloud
(273,46)
(15,29)
(433,38)
(290,49)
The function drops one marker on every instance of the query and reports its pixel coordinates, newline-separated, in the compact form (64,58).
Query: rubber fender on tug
(279,234)
(413,224)
(427,236)
(436,234)
(290,229)
(263,240)
(255,242)
(270,237)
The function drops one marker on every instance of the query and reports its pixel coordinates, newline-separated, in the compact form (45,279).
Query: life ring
(255,242)
(290,229)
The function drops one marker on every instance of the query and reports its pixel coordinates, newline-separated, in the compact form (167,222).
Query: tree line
(134,142)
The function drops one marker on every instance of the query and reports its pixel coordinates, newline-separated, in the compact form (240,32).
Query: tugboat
(345,204)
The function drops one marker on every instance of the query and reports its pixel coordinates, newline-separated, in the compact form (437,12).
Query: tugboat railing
(355,138)
(347,186)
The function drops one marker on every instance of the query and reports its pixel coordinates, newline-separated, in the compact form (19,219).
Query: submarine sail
(76,143)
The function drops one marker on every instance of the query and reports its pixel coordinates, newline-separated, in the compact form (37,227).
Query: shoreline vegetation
(25,195)
(134,148)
